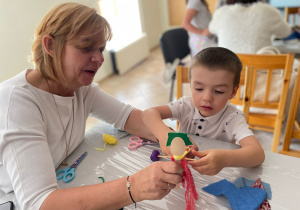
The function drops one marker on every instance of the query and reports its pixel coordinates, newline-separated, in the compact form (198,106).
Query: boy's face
(211,90)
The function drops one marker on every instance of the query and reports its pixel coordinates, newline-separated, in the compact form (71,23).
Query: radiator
(125,58)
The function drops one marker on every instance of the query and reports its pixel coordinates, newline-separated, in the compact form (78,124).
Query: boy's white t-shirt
(227,125)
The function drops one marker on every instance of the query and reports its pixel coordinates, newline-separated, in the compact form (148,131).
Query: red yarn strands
(189,186)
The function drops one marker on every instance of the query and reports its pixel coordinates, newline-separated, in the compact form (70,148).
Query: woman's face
(80,64)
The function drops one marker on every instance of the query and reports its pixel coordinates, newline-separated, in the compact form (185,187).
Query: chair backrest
(271,75)
(266,70)
(290,11)
(292,125)
(247,82)
(174,44)
(182,76)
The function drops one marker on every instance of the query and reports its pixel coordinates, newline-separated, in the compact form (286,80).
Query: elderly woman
(43,113)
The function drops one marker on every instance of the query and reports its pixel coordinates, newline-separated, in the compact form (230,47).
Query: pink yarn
(190,189)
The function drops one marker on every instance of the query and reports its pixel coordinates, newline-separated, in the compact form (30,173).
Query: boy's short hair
(218,58)
(65,22)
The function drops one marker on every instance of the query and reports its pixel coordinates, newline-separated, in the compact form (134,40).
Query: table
(291,46)
(280,171)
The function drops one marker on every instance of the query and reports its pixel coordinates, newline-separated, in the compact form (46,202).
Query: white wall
(19,18)
(155,19)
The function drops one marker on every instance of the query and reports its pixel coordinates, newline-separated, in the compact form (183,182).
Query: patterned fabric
(245,198)
(242,182)
(265,204)
(198,43)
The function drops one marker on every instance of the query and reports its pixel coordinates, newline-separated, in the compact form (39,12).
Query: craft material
(108,139)
(179,149)
(178,146)
(100,177)
(183,136)
(242,182)
(189,186)
(136,142)
(244,198)
(155,156)
(68,173)
(265,204)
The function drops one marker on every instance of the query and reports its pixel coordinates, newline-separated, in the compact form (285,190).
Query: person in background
(43,114)
(219,3)
(214,76)
(246,26)
(195,21)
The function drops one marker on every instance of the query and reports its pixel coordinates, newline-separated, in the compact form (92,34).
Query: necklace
(67,142)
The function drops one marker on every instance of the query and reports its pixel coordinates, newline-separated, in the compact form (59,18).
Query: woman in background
(246,26)
(196,21)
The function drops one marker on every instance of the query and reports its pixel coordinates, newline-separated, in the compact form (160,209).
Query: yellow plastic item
(108,139)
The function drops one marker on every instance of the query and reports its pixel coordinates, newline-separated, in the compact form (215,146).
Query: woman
(195,21)
(44,112)
(246,26)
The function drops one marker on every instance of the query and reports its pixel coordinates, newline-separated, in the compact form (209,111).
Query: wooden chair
(292,126)
(182,76)
(247,82)
(291,11)
(266,64)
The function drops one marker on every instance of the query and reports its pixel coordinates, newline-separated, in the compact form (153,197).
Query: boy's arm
(252,154)
(152,118)
(213,160)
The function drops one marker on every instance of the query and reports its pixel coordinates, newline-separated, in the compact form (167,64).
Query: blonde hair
(65,22)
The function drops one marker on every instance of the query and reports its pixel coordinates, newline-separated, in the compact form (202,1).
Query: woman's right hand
(155,181)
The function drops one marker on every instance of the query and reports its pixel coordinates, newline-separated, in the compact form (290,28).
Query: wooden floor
(143,87)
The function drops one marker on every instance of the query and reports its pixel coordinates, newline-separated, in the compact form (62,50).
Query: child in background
(196,20)
(214,76)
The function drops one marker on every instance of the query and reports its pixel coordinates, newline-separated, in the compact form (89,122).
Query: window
(125,21)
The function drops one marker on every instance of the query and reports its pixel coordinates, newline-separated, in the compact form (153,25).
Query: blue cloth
(246,198)
(293,35)
(243,182)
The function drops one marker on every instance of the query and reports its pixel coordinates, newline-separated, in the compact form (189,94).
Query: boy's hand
(211,162)
(192,147)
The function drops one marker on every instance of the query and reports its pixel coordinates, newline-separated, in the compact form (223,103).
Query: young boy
(214,76)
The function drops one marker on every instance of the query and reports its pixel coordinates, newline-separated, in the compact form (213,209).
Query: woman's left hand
(155,181)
